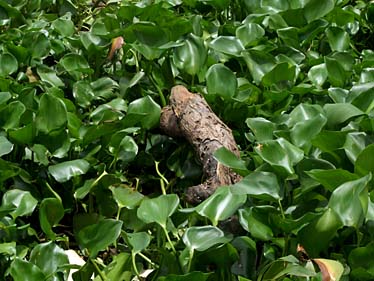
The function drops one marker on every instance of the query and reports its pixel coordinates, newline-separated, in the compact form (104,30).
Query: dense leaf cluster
(84,166)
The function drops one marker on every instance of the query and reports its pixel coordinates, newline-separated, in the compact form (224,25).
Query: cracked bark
(190,116)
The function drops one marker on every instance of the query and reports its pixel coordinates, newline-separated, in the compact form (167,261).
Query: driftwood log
(190,116)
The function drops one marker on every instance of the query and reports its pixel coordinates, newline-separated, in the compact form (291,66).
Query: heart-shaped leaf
(51,211)
(201,238)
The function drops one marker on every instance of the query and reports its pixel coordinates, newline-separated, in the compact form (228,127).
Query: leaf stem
(133,255)
(53,192)
(101,274)
(147,259)
(168,238)
(190,261)
(163,180)
(281,209)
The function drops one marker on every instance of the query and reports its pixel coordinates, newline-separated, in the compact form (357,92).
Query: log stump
(190,116)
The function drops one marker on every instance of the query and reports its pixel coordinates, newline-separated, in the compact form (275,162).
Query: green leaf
(97,237)
(281,73)
(316,9)
(158,209)
(64,26)
(8,249)
(48,257)
(254,222)
(365,163)
(262,129)
(21,270)
(74,62)
(23,202)
(51,106)
(355,143)
(149,33)
(259,63)
(138,241)
(8,64)
(127,150)
(258,184)
(340,112)
(338,39)
(318,74)
(51,211)
(6,146)
(323,228)
(331,179)
(201,238)
(349,201)
(64,171)
(361,257)
(228,45)
(144,111)
(249,33)
(335,71)
(126,197)
(49,76)
(280,153)
(221,205)
(191,56)
(10,115)
(229,159)
(221,81)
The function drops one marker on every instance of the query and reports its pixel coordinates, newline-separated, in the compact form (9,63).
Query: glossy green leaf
(316,9)
(97,237)
(21,270)
(281,73)
(228,45)
(144,111)
(49,76)
(48,257)
(64,26)
(6,146)
(221,205)
(365,162)
(51,106)
(324,228)
(158,209)
(191,56)
(109,112)
(318,74)
(201,238)
(64,171)
(340,112)
(229,159)
(259,63)
(221,81)
(39,44)
(127,150)
(262,129)
(253,222)
(362,96)
(8,64)
(10,115)
(74,62)
(23,202)
(138,241)
(350,200)
(51,211)
(148,33)
(335,72)
(355,143)
(360,257)
(126,197)
(338,39)
(280,153)
(258,184)
(249,33)
(331,179)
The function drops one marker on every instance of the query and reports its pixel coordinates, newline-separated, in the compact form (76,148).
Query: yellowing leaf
(331,270)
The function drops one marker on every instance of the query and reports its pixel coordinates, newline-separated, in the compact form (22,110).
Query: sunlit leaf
(201,238)
(331,270)
(64,171)
(97,237)
(158,209)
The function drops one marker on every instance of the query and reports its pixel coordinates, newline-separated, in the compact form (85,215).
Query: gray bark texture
(190,116)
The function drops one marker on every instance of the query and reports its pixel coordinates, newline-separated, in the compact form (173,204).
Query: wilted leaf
(331,270)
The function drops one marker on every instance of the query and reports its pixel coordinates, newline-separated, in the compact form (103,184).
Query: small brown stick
(190,116)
